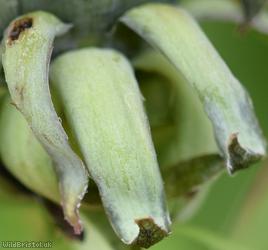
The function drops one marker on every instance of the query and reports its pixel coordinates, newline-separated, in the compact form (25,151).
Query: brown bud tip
(240,158)
(150,233)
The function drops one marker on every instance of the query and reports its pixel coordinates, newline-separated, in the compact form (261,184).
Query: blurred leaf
(185,177)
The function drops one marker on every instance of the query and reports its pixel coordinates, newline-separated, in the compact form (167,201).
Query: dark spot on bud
(19,26)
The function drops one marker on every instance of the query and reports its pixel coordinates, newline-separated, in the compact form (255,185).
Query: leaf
(27,49)
(187,176)
(172,31)
(103,106)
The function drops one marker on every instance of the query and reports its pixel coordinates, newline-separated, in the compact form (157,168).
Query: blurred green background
(233,214)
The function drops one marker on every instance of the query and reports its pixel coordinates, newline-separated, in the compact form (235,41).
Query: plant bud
(27,48)
(103,106)
(172,31)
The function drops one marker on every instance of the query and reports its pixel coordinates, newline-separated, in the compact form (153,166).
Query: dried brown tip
(150,233)
(18,27)
(240,157)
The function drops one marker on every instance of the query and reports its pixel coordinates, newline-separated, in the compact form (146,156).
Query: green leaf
(26,54)
(103,106)
(227,104)
(187,176)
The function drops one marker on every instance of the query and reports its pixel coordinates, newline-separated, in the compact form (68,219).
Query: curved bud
(27,50)
(227,104)
(104,107)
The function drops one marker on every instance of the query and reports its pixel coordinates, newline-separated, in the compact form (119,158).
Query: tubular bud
(27,48)
(103,106)
(172,31)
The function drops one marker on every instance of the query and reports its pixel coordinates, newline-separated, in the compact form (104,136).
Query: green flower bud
(103,106)
(227,104)
(27,47)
